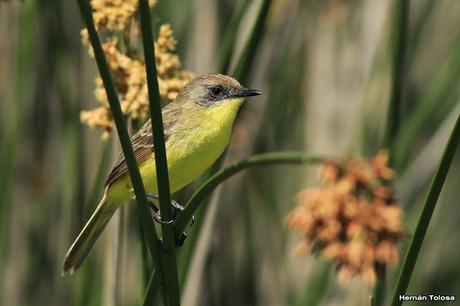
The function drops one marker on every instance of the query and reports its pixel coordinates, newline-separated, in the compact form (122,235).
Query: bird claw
(174,204)
(158,219)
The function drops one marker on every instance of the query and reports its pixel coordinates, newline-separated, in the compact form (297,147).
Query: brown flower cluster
(353,219)
(127,67)
(115,15)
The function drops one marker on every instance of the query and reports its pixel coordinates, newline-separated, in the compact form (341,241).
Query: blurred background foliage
(326,69)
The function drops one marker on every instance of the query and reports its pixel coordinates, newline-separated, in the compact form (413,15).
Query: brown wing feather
(143,142)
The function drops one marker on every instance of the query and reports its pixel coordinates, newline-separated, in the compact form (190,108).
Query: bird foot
(157,217)
(177,207)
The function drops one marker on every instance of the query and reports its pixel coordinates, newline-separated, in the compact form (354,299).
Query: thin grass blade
(424,220)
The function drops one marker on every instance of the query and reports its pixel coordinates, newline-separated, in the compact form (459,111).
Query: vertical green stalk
(95,193)
(136,179)
(247,56)
(119,246)
(152,288)
(420,24)
(169,258)
(424,220)
(230,36)
(398,48)
(146,263)
(13,120)
(380,286)
(316,289)
(434,103)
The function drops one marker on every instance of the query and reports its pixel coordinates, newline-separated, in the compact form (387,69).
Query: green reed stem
(398,48)
(185,217)
(136,179)
(245,62)
(152,288)
(380,287)
(229,40)
(424,220)
(420,24)
(169,258)
(434,102)
(98,185)
(317,287)
(13,122)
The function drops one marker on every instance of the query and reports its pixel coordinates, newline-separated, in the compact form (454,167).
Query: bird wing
(143,142)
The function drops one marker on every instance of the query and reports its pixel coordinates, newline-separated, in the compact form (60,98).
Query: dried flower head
(127,67)
(352,219)
(115,15)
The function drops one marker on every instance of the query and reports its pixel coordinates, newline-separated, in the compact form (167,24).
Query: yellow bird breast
(194,145)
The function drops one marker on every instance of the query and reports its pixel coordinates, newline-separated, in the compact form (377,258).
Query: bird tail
(88,236)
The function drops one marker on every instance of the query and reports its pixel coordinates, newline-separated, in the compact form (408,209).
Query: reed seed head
(352,219)
(117,19)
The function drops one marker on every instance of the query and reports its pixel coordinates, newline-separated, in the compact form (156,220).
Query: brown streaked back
(143,142)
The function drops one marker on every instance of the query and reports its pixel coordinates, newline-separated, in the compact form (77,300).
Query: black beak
(247,92)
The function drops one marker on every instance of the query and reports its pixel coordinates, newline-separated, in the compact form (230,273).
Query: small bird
(197,128)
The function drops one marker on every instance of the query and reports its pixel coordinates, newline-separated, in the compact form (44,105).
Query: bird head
(214,89)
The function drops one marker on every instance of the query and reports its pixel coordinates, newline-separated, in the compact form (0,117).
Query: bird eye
(216,90)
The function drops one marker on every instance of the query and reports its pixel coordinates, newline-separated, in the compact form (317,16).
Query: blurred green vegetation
(327,70)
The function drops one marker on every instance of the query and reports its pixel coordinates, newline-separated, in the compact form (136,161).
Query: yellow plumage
(187,156)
